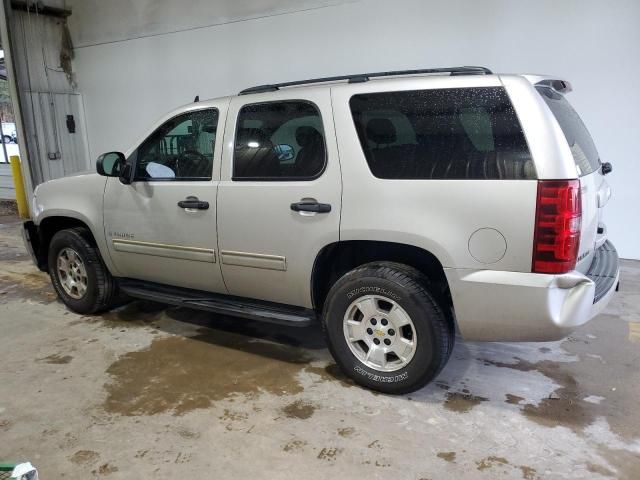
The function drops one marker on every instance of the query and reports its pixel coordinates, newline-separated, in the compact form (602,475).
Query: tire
(7,139)
(101,290)
(378,289)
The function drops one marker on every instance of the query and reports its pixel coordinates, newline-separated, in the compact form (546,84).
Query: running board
(222,304)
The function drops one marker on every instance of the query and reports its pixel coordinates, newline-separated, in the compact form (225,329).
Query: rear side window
(279,141)
(460,133)
(580,142)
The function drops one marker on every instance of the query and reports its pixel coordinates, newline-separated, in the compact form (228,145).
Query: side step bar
(222,304)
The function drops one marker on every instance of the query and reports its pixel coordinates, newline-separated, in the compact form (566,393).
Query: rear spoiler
(559,85)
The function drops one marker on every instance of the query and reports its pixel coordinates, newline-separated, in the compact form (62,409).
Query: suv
(393,207)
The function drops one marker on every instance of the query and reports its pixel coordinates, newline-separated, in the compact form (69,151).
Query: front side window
(181,149)
(585,154)
(461,133)
(279,141)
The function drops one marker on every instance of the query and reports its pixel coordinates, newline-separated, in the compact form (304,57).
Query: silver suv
(395,208)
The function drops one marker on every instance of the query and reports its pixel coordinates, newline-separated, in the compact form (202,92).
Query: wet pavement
(147,391)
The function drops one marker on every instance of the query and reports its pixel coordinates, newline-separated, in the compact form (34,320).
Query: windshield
(582,147)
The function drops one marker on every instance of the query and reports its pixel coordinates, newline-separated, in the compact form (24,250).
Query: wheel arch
(49,226)
(336,259)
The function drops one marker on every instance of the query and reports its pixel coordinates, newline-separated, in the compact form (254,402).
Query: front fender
(80,198)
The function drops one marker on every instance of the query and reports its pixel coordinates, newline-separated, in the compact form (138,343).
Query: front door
(162,227)
(279,197)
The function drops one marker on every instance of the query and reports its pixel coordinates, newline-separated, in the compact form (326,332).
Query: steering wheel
(192,160)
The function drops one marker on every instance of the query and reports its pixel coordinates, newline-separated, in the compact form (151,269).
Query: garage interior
(150,391)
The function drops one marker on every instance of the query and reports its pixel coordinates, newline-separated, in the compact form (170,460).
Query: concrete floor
(154,392)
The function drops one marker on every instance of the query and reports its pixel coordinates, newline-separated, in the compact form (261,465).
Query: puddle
(626,464)
(299,409)
(294,446)
(604,382)
(462,402)
(329,453)
(21,283)
(84,457)
(105,469)
(177,374)
(447,456)
(513,399)
(332,373)
(137,313)
(564,407)
(56,359)
(346,432)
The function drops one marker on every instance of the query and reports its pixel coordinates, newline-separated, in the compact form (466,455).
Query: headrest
(307,136)
(381,130)
(247,135)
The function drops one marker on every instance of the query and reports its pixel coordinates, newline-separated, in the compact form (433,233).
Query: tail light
(557,229)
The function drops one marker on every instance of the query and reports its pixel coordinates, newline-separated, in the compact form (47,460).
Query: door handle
(193,203)
(311,207)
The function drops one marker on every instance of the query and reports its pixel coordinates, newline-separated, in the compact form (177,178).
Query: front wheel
(385,329)
(7,139)
(78,273)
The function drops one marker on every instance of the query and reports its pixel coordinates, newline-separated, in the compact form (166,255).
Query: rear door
(594,187)
(279,198)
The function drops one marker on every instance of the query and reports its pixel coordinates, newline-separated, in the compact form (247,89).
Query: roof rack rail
(364,77)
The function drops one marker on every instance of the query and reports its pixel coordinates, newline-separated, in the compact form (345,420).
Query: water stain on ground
(135,314)
(490,462)
(299,409)
(177,374)
(329,453)
(462,402)
(332,373)
(294,446)
(626,464)
(56,359)
(346,432)
(527,472)
(447,456)
(21,283)
(606,368)
(564,407)
(84,457)
(513,399)
(105,469)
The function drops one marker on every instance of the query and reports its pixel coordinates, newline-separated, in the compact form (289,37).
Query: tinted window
(279,141)
(442,134)
(582,147)
(181,149)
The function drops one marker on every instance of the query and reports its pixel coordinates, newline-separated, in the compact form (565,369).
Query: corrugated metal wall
(51,105)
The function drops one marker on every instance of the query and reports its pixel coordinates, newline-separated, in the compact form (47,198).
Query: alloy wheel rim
(380,333)
(72,273)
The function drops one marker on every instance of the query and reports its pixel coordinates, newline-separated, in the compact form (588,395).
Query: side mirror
(606,168)
(110,164)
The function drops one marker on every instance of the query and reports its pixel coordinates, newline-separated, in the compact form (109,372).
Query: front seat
(312,155)
(254,155)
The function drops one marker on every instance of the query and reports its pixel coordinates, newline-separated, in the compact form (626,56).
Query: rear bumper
(515,306)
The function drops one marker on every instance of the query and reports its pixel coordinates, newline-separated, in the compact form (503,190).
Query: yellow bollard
(18,183)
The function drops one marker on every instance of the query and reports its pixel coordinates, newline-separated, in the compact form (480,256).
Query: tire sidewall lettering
(372,290)
(401,377)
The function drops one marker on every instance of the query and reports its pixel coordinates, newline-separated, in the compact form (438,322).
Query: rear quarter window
(461,133)
(585,154)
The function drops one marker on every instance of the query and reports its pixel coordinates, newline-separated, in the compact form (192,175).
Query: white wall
(129,83)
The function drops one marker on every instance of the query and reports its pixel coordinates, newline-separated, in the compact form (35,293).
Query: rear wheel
(78,273)
(385,329)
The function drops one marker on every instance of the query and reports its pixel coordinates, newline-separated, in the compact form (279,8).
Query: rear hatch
(594,188)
